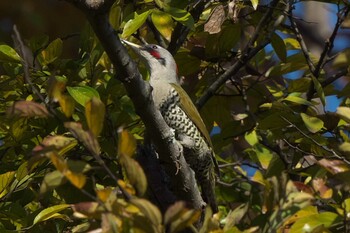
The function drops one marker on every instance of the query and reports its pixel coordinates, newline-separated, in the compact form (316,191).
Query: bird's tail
(208,191)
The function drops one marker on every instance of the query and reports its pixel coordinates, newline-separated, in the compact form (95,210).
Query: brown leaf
(233,10)
(87,209)
(333,166)
(320,186)
(216,19)
(24,108)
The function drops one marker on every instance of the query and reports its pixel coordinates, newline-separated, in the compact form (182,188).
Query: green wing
(192,112)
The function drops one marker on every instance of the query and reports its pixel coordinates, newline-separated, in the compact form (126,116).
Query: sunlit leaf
(163,22)
(298,100)
(95,114)
(5,181)
(8,54)
(258,177)
(254,3)
(264,155)
(301,214)
(344,113)
(313,124)
(103,194)
(82,94)
(346,207)
(49,213)
(77,179)
(251,138)
(308,224)
(133,24)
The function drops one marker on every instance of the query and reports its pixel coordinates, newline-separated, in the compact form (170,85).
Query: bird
(181,116)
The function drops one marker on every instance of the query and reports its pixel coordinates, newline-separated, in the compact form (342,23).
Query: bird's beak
(134,46)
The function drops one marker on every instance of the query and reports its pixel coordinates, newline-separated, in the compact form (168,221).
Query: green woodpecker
(181,115)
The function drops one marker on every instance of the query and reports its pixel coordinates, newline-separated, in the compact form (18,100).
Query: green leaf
(181,16)
(163,22)
(293,63)
(298,100)
(344,113)
(279,47)
(313,124)
(133,24)
(264,155)
(252,138)
(8,54)
(186,63)
(5,180)
(82,94)
(49,213)
(52,52)
(51,180)
(319,90)
(342,59)
(311,222)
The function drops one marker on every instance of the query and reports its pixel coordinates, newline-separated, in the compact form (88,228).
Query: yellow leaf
(95,113)
(67,104)
(127,143)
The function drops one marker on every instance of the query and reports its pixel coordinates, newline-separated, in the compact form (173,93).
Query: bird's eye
(154,47)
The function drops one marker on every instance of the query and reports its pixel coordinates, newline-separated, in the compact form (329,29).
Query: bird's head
(159,61)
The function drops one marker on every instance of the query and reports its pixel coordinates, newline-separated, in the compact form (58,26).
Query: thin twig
(325,148)
(301,41)
(21,49)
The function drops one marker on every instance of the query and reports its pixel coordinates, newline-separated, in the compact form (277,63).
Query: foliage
(69,132)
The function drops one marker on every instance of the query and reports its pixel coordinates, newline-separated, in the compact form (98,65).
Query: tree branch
(182,180)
